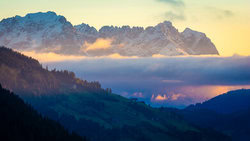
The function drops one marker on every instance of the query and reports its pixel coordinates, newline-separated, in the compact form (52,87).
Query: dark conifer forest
(20,122)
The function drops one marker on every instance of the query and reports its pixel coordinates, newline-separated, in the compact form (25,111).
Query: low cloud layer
(169,81)
(51,57)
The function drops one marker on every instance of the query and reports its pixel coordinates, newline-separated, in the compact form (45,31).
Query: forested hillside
(27,76)
(19,121)
(228,113)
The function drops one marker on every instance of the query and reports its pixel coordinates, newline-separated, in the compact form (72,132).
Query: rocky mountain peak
(86,29)
(49,32)
(189,32)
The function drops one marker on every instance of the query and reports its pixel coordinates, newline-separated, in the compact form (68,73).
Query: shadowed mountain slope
(20,121)
(228,113)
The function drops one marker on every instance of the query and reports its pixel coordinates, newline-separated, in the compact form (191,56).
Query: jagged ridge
(49,32)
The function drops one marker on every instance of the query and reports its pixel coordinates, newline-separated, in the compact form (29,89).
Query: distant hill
(19,121)
(91,111)
(25,75)
(228,113)
(49,32)
(227,103)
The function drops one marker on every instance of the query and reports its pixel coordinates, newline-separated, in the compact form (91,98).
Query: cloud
(170,70)
(176,96)
(118,56)
(159,97)
(228,13)
(184,80)
(175,15)
(100,43)
(219,13)
(176,10)
(51,57)
(158,56)
(178,3)
(166,98)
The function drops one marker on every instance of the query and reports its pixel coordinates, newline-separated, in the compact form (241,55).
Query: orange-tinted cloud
(158,56)
(51,57)
(100,43)
(118,56)
(159,97)
(165,97)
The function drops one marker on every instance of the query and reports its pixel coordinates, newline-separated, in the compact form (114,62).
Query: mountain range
(49,32)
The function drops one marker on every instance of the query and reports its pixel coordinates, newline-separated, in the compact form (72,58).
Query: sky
(226,22)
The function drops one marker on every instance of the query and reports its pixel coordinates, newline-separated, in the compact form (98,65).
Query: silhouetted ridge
(228,113)
(19,121)
(227,103)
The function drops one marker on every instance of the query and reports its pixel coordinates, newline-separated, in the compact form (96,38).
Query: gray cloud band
(184,70)
(171,78)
